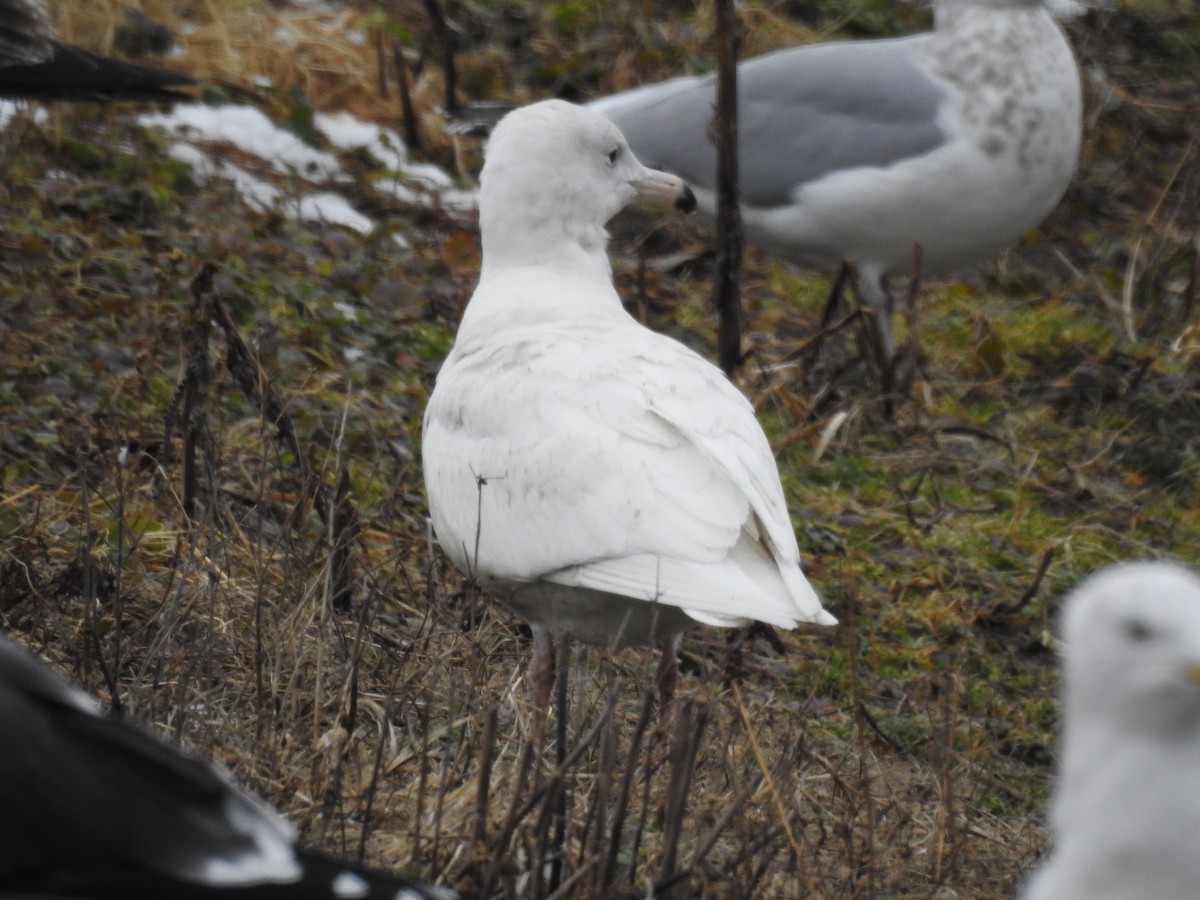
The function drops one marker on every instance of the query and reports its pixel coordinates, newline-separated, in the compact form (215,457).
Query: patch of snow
(324,206)
(248,129)
(349,885)
(335,209)
(256,193)
(9,108)
(385,145)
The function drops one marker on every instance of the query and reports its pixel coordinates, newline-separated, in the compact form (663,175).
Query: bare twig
(192,391)
(689,728)
(566,889)
(878,731)
(785,820)
(487,749)
(516,812)
(521,808)
(422,778)
(255,384)
(1035,585)
(811,344)
(726,289)
(1190,294)
(558,796)
(445,38)
(718,827)
(618,821)
(373,784)
(847,275)
(945,838)
(344,530)
(412,133)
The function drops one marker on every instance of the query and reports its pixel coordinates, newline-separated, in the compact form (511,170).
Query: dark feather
(95,807)
(33,65)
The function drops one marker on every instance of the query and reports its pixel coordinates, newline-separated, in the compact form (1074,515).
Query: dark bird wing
(96,807)
(33,65)
(25,32)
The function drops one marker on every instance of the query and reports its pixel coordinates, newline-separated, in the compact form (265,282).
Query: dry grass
(324,51)
(333,56)
(372,723)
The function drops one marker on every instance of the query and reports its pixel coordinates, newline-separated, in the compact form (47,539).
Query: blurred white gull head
(1126,810)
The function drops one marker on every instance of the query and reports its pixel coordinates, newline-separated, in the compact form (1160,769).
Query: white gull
(1127,807)
(962,139)
(600,479)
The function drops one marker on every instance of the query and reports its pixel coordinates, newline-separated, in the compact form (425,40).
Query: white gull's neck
(940,7)
(950,14)
(584,255)
(530,229)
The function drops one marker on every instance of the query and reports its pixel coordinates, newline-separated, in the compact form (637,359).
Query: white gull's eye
(1138,631)
(613,155)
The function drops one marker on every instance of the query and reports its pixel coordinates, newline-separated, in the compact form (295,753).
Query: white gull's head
(1127,804)
(554,174)
(1132,635)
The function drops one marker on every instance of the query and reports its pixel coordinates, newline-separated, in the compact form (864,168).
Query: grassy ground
(229,542)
